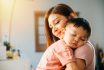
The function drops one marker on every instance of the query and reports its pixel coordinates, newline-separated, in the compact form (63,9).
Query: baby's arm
(84,56)
(67,58)
(78,64)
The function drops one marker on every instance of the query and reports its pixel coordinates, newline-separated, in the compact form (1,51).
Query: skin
(57,23)
(75,37)
(78,65)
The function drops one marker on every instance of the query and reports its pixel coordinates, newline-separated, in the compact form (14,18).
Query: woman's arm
(79,64)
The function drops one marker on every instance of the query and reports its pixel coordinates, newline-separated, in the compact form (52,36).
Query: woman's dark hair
(62,9)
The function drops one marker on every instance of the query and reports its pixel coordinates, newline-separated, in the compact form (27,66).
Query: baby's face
(75,36)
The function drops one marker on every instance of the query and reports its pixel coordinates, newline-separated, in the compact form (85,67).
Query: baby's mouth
(74,44)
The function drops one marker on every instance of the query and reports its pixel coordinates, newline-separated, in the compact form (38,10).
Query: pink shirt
(87,52)
(56,57)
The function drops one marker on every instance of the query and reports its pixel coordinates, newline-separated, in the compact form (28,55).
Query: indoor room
(22,32)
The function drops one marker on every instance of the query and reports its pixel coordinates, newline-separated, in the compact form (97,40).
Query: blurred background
(18,27)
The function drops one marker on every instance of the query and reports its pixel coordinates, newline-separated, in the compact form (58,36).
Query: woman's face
(57,23)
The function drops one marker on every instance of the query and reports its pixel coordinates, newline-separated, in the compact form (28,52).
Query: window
(40,41)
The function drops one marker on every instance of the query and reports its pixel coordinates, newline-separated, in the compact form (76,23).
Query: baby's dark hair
(81,22)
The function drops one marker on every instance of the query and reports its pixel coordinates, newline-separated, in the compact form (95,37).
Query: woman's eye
(56,22)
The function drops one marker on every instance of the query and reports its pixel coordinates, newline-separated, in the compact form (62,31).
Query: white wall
(22,29)
(0,21)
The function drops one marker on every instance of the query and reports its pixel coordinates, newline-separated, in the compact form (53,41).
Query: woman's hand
(79,64)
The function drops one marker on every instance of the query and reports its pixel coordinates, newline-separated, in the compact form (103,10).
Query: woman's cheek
(55,33)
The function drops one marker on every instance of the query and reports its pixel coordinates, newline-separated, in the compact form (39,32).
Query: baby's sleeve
(65,55)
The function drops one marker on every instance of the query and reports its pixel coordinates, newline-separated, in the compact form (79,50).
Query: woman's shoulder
(87,46)
(86,52)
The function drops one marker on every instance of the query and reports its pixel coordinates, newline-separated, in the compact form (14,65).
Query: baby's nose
(76,40)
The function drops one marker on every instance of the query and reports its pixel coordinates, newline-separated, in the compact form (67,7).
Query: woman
(66,11)
(55,20)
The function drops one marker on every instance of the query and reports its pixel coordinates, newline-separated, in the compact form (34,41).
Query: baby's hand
(66,54)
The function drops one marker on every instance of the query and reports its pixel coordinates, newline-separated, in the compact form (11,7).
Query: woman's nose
(55,28)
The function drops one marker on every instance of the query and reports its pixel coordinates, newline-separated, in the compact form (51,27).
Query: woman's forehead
(53,17)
